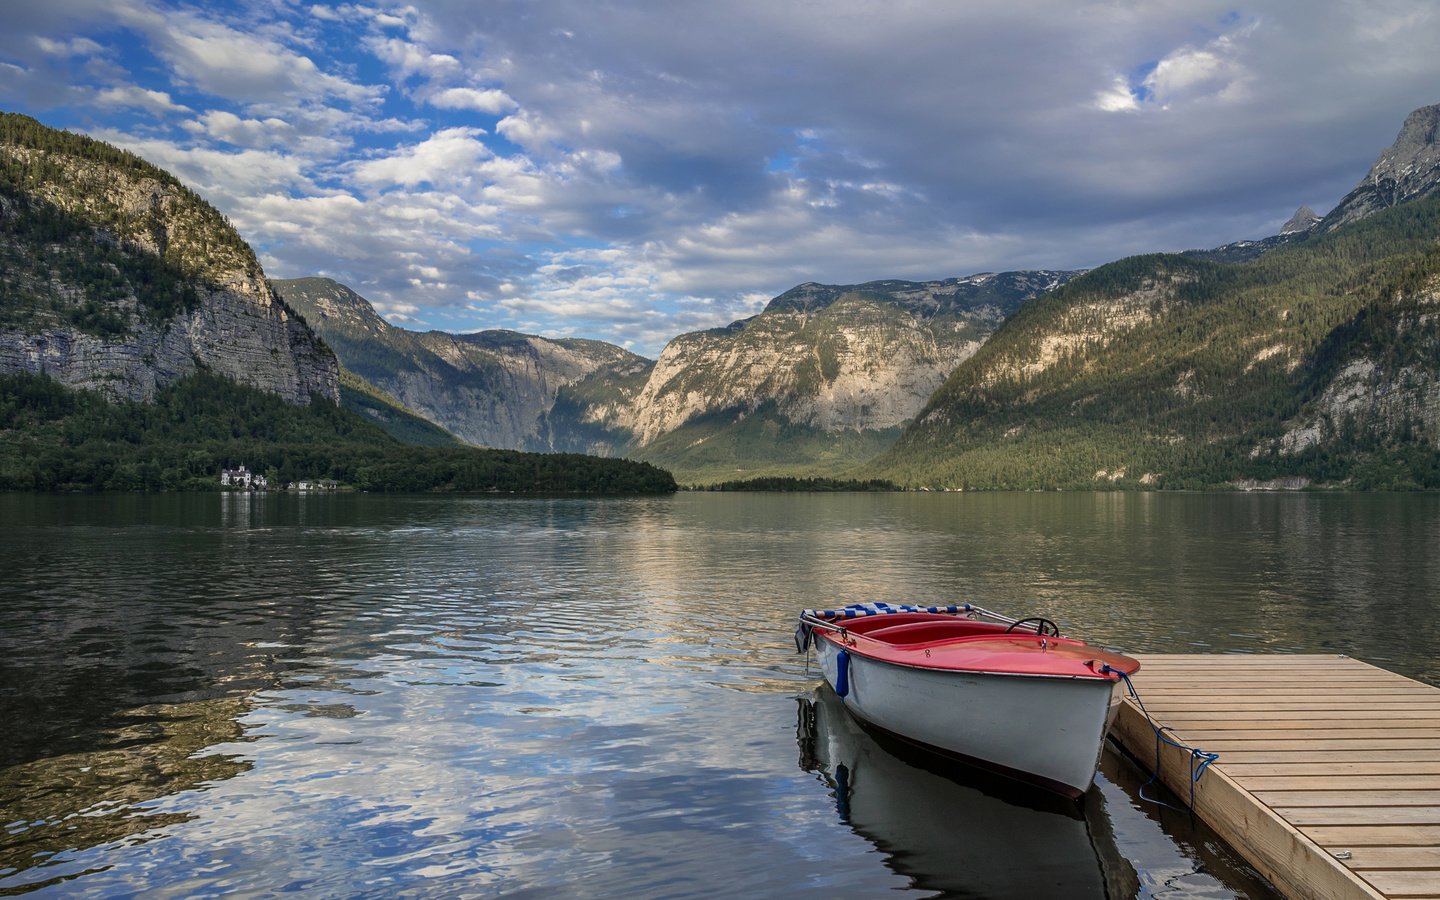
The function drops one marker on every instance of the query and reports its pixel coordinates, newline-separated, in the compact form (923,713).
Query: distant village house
(242,479)
(312,485)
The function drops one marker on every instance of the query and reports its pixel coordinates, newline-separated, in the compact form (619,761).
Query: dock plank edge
(1295,864)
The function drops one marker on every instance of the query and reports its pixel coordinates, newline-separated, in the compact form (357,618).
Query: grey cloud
(722,150)
(984,112)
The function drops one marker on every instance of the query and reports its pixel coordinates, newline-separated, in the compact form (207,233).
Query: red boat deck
(1328,779)
(931,641)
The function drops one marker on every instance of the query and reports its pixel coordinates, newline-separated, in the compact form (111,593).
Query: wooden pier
(1328,776)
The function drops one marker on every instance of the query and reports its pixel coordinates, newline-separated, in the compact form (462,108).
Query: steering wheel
(1042,625)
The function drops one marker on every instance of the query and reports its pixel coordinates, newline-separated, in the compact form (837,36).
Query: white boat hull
(1046,729)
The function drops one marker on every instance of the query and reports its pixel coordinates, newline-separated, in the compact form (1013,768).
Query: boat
(1009,695)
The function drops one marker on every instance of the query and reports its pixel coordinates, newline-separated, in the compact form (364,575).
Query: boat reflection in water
(956,830)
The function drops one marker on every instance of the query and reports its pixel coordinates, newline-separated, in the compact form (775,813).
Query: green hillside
(1175,371)
(55,438)
(745,444)
(56,189)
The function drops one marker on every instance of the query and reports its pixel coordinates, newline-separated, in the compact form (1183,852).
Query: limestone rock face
(238,331)
(508,383)
(1388,386)
(1407,170)
(859,363)
(491,388)
(1304,219)
(117,278)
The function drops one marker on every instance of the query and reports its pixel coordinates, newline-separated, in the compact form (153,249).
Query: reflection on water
(956,831)
(971,837)
(73,801)
(345,695)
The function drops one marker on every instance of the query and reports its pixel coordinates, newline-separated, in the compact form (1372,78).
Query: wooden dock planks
(1328,780)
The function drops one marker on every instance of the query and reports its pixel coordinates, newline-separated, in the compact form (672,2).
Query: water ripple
(471,696)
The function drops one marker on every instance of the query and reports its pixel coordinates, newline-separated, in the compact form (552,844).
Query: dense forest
(783,484)
(53,438)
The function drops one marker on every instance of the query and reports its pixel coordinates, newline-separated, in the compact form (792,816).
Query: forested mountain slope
(115,277)
(56,438)
(1172,371)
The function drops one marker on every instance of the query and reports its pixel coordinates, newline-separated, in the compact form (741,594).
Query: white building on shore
(242,479)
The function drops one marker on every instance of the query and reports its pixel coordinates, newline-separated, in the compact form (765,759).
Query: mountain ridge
(1313,361)
(117,278)
(841,366)
(490,388)
(1305,356)
(1407,170)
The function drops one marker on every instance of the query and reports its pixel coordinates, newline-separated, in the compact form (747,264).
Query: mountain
(1408,170)
(1315,362)
(365,399)
(491,388)
(823,378)
(141,348)
(1304,219)
(117,278)
(833,357)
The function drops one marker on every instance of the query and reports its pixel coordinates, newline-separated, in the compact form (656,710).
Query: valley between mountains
(1310,358)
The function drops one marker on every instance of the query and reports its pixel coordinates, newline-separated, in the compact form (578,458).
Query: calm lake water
(356,695)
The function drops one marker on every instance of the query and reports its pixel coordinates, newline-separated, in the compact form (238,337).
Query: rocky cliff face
(819,362)
(823,378)
(1408,170)
(117,278)
(1386,384)
(832,357)
(1303,220)
(492,388)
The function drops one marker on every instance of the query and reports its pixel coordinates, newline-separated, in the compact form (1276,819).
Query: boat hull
(1048,730)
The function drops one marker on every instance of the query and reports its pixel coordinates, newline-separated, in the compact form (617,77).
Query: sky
(628,171)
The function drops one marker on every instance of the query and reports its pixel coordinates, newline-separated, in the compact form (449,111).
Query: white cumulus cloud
(446,157)
(140,98)
(489,101)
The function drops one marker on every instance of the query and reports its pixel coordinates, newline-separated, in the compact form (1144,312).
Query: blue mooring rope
(1203,757)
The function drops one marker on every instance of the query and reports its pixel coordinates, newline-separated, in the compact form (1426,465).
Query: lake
(352,695)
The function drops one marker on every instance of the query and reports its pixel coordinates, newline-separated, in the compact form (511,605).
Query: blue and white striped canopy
(858,610)
(880,608)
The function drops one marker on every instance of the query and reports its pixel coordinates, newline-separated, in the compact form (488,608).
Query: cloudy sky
(628,170)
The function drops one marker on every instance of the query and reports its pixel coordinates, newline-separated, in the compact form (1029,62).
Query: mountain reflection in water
(87,799)
(357,695)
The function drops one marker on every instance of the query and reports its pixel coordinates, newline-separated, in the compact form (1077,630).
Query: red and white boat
(1009,695)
